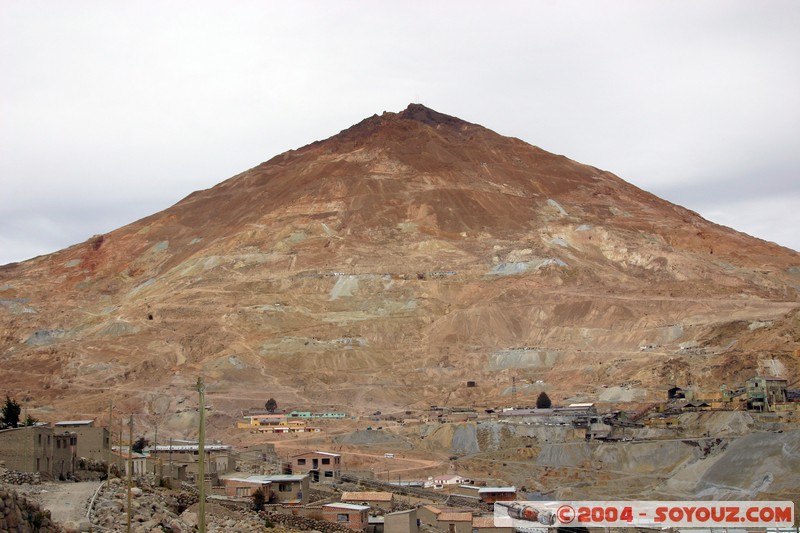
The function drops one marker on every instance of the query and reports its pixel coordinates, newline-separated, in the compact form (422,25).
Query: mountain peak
(423,114)
(414,112)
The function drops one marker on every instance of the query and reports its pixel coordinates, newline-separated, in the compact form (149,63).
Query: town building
(122,457)
(323,467)
(488,495)
(334,415)
(491,495)
(218,458)
(286,489)
(245,487)
(93,442)
(401,522)
(346,514)
(280,423)
(39,449)
(373,499)
(451,520)
(443,480)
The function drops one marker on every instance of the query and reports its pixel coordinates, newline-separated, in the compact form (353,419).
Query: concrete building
(245,487)
(763,392)
(93,442)
(443,480)
(65,455)
(448,519)
(322,467)
(346,514)
(218,458)
(287,489)
(401,522)
(255,421)
(454,521)
(491,495)
(138,462)
(38,449)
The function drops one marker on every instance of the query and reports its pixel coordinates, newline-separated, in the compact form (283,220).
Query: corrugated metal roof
(349,506)
(277,477)
(248,480)
(329,454)
(488,490)
(191,448)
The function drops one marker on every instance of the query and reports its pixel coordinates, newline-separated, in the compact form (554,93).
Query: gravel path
(67,501)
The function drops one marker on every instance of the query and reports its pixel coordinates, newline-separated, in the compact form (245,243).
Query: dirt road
(67,501)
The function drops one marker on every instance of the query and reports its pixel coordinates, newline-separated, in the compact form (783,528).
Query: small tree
(271,405)
(10,414)
(140,444)
(543,401)
(258,500)
(30,421)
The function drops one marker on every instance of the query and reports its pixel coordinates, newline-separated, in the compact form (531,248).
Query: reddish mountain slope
(387,265)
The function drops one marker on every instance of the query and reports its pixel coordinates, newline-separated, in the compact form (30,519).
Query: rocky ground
(155,510)
(65,506)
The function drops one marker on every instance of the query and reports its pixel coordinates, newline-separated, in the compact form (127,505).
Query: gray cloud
(110,112)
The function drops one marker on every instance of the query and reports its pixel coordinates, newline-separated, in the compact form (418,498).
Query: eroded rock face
(387,265)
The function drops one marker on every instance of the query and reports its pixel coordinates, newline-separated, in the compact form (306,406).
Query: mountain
(385,267)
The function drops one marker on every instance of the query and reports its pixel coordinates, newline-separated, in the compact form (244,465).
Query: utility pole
(110,434)
(157,462)
(130,468)
(201,458)
(513,391)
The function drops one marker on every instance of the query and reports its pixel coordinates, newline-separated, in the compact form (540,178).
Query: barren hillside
(386,266)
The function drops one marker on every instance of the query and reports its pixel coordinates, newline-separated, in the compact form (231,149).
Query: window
(326,461)
(284,487)
(242,492)
(301,461)
(329,473)
(341,517)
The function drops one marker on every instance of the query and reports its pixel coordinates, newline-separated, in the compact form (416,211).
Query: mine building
(764,392)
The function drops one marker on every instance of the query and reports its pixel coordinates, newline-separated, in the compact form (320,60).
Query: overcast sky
(112,111)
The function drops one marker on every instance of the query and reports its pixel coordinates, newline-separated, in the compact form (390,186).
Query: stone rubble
(303,523)
(12,477)
(19,514)
(157,510)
